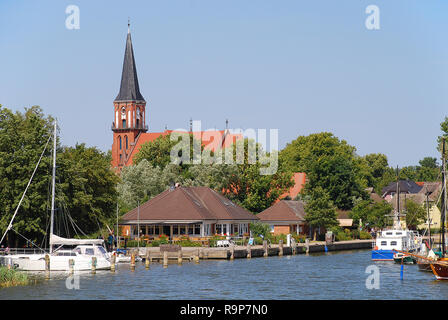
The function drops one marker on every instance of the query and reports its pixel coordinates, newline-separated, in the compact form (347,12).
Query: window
(384,243)
(119,141)
(89,251)
(102,250)
(393,243)
(218,228)
(150,230)
(272,227)
(399,233)
(389,233)
(191,229)
(124,123)
(182,229)
(126,138)
(156,230)
(197,229)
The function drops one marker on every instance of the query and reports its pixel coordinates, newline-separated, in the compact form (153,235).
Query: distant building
(192,211)
(433,190)
(285,216)
(404,187)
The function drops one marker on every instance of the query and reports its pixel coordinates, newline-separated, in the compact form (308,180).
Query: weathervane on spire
(129,25)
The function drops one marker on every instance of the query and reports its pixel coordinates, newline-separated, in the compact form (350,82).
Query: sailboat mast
(53,185)
(118,234)
(429,218)
(442,217)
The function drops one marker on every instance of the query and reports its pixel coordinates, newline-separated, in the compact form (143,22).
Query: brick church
(130,129)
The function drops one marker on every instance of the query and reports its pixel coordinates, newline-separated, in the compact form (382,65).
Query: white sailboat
(78,259)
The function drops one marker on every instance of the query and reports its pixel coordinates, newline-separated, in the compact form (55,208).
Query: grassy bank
(11,277)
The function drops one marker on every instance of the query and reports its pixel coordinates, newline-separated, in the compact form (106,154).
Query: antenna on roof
(191,124)
(227,124)
(166,127)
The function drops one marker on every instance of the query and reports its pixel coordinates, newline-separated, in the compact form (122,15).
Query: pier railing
(22,251)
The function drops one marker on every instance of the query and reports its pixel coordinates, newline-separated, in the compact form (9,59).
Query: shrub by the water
(11,277)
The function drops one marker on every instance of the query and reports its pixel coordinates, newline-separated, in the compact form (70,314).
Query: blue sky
(297,66)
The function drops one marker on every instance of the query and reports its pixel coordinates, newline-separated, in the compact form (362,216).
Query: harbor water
(332,275)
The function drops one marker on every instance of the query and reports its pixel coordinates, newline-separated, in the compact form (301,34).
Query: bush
(135,243)
(259,228)
(11,277)
(162,239)
(364,235)
(275,238)
(186,242)
(299,238)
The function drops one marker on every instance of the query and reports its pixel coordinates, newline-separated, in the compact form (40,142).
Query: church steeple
(129,89)
(129,110)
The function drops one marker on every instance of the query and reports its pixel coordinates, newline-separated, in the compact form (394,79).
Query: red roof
(211,140)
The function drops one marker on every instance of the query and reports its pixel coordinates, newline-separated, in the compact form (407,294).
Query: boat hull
(440,271)
(383,255)
(405,260)
(57,263)
(424,266)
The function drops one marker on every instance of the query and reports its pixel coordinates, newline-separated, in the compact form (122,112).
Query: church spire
(129,89)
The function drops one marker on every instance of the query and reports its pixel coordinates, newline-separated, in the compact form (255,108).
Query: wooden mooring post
(249,252)
(307,246)
(147,259)
(232,252)
(93,264)
(165,259)
(71,265)
(280,248)
(179,257)
(196,258)
(47,266)
(133,261)
(112,262)
(265,248)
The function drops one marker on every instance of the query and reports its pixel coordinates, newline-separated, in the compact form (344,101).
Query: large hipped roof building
(193,211)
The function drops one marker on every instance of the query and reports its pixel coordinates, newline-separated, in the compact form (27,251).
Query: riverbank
(11,277)
(238,252)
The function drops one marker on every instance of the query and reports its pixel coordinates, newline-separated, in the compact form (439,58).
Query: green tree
(85,184)
(415,214)
(320,211)
(86,187)
(240,181)
(372,214)
(329,163)
(22,140)
(251,189)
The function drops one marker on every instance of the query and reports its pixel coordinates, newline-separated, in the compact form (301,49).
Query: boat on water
(397,238)
(389,241)
(79,257)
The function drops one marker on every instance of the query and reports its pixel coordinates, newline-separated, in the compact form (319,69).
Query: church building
(130,129)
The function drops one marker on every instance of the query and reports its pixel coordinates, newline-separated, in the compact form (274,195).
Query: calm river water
(334,275)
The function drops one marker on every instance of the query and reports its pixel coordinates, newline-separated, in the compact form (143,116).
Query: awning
(54,239)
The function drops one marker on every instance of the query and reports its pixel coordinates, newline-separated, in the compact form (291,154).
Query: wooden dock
(239,252)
